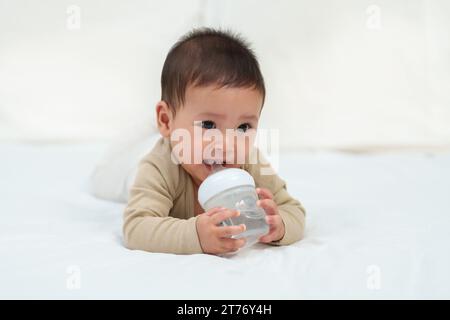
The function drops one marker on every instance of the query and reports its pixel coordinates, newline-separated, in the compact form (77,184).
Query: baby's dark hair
(205,57)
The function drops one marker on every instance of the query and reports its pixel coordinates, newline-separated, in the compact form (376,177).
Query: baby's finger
(212,211)
(268,205)
(223,215)
(273,220)
(225,232)
(267,238)
(232,245)
(264,193)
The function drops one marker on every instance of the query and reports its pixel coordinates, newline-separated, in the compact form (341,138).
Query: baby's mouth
(214,165)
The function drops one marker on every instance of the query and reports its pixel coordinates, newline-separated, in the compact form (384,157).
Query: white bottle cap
(221,181)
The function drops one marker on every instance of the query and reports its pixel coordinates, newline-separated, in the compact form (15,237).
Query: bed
(377,227)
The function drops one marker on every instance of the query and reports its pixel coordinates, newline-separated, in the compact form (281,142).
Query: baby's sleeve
(289,208)
(292,212)
(147,224)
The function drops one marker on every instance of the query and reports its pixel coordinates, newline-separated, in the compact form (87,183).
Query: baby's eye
(244,127)
(208,124)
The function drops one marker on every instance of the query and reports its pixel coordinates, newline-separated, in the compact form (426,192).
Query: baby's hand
(273,218)
(216,239)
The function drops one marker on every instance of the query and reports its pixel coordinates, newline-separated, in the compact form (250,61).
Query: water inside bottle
(244,199)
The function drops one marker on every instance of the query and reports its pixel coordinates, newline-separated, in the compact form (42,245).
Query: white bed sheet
(377,227)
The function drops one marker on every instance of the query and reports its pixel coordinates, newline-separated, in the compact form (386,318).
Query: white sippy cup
(234,189)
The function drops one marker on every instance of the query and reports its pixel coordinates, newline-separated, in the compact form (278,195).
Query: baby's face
(229,113)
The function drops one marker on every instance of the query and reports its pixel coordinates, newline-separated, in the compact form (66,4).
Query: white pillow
(114,175)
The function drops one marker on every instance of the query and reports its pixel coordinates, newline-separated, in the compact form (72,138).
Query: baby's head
(211,87)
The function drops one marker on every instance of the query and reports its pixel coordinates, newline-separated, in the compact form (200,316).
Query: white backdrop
(340,74)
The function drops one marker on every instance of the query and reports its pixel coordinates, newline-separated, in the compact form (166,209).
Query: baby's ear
(164,117)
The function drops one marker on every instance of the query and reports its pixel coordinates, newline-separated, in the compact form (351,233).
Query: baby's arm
(290,209)
(147,225)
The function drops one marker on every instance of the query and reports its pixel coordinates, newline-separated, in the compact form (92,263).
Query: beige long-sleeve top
(160,215)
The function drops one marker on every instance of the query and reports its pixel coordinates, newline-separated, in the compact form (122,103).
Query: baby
(211,82)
